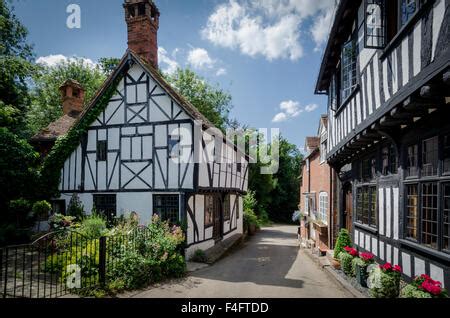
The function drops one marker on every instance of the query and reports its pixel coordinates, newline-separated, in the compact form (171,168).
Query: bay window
(427,193)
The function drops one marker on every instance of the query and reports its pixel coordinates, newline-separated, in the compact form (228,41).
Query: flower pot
(361,275)
(335,263)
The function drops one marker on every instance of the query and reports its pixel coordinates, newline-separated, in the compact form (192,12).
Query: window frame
(209,222)
(383,17)
(164,207)
(102,150)
(103,196)
(441,179)
(226,211)
(352,88)
(322,214)
(371,189)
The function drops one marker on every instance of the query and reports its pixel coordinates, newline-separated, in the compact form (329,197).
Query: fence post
(102,261)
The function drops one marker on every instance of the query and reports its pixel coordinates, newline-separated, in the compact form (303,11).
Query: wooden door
(218,217)
(348,213)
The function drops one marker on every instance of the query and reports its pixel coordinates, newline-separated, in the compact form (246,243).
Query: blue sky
(266,53)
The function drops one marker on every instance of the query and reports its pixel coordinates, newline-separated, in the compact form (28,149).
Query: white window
(323,207)
(323,151)
(306,198)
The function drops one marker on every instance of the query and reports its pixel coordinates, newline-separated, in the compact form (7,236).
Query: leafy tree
(108,64)
(46,99)
(213,102)
(16,66)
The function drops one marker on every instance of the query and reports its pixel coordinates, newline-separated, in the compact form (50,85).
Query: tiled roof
(55,129)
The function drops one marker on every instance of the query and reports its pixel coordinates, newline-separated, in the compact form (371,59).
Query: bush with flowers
(424,286)
(346,258)
(384,280)
(363,261)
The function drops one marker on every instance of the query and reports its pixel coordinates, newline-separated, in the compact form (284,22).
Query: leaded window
(167,206)
(375,24)
(446,153)
(209,210)
(389,159)
(430,214)
(102,150)
(412,207)
(105,204)
(412,161)
(407,9)
(446,218)
(366,205)
(226,207)
(348,69)
(430,157)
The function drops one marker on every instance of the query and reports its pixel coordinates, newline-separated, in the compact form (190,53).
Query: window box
(320,227)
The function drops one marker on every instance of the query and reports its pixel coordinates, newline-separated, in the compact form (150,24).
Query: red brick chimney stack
(142,17)
(72,94)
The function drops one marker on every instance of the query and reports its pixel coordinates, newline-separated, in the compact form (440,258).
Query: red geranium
(426,283)
(388,268)
(353,252)
(397,269)
(367,257)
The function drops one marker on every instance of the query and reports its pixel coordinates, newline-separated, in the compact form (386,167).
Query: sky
(266,53)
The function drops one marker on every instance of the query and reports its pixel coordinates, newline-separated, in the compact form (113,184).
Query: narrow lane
(270,264)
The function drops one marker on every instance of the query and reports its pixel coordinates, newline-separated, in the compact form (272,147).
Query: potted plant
(424,286)
(359,267)
(384,280)
(343,240)
(346,259)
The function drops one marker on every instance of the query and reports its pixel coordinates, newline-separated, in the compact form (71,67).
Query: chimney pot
(72,95)
(142,18)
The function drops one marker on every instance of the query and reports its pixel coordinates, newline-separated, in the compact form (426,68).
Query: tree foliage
(213,102)
(45,96)
(16,66)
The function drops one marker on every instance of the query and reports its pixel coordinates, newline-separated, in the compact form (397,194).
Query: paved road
(270,264)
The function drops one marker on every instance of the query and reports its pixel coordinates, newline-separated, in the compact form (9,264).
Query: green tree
(285,194)
(213,102)
(108,64)
(46,99)
(16,66)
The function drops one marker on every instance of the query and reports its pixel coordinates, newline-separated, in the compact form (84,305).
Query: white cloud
(170,64)
(221,71)
(321,27)
(268,28)
(280,117)
(291,109)
(56,59)
(199,58)
(311,107)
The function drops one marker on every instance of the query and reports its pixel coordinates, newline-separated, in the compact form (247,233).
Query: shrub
(20,210)
(41,210)
(342,241)
(199,256)
(346,263)
(59,221)
(75,207)
(424,286)
(384,280)
(93,226)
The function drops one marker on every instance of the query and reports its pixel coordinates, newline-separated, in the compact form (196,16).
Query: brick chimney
(142,17)
(72,94)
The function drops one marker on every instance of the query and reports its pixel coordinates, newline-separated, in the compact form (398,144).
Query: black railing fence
(59,263)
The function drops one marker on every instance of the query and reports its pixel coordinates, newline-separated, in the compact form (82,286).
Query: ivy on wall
(50,173)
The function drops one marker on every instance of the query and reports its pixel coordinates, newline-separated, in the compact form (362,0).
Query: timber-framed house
(150,151)
(386,73)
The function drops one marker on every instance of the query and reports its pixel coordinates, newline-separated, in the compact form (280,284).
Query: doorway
(217,218)
(348,207)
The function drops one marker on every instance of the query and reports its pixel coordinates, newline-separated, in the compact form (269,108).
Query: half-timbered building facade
(386,73)
(150,151)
